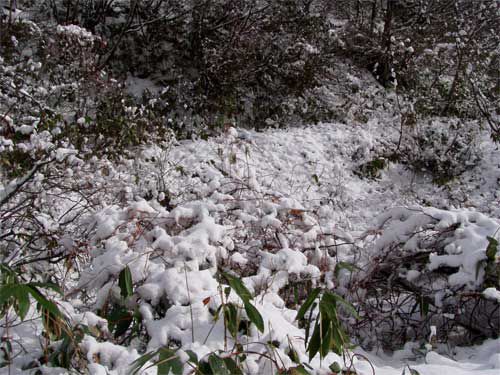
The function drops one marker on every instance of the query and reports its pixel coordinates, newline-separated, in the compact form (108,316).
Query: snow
(76,31)
(492,294)
(185,276)
(278,208)
(137,86)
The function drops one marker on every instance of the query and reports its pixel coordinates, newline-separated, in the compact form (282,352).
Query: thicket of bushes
(256,64)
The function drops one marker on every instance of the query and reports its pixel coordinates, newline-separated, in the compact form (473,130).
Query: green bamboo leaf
(315,342)
(326,338)
(238,286)
(43,301)
(193,357)
(491,250)
(23,301)
(141,361)
(307,304)
(231,315)
(254,316)
(6,292)
(119,320)
(424,306)
(8,275)
(168,362)
(346,304)
(338,339)
(217,365)
(307,327)
(204,368)
(232,366)
(328,306)
(125,282)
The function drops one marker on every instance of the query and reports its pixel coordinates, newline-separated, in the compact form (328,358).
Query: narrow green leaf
(204,368)
(424,307)
(231,315)
(491,250)
(346,304)
(217,365)
(344,266)
(6,292)
(43,301)
(326,338)
(238,287)
(308,325)
(169,362)
(338,339)
(6,269)
(328,306)
(193,357)
(141,361)
(307,304)
(23,301)
(232,366)
(21,294)
(163,368)
(119,320)
(125,283)
(254,316)
(315,342)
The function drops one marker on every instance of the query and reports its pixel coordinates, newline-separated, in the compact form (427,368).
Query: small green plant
(492,267)
(166,360)
(328,333)
(240,289)
(15,294)
(372,168)
(122,320)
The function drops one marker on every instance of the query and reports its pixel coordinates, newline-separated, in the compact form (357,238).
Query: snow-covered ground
(267,205)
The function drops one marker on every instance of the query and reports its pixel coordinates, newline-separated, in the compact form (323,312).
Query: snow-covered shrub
(55,95)
(223,220)
(439,53)
(244,69)
(441,149)
(153,277)
(372,168)
(426,267)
